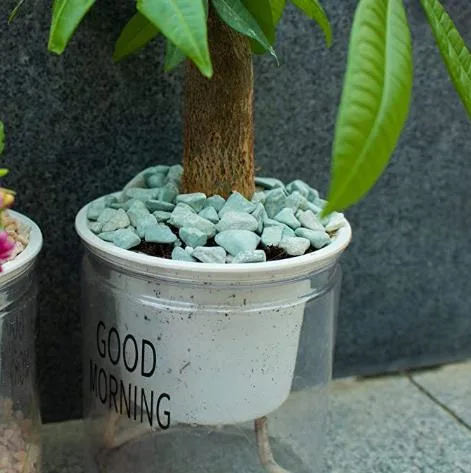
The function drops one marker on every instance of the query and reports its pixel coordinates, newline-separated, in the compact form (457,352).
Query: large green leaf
(183,22)
(66,16)
(234,13)
(173,57)
(135,35)
(277,8)
(313,9)
(454,52)
(375,101)
(261,11)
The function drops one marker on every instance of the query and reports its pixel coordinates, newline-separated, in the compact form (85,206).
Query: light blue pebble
(309,220)
(296,201)
(260,214)
(299,186)
(95,208)
(195,200)
(182,208)
(237,203)
(209,213)
(209,254)
(287,232)
(154,205)
(216,202)
(144,222)
(259,197)
(192,236)
(128,204)
(136,213)
(189,250)
(313,195)
(125,238)
(335,221)
(295,246)
(175,173)
(107,236)
(155,180)
(237,221)
(318,239)
(161,216)
(141,194)
(110,199)
(159,233)
(287,217)
(181,219)
(106,214)
(275,201)
(119,220)
(168,193)
(257,256)
(235,241)
(271,236)
(159,169)
(179,254)
(95,227)
(268,182)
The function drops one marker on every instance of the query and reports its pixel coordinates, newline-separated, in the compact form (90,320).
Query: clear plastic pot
(197,367)
(20,420)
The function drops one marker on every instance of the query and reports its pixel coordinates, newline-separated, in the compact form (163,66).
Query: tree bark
(218,115)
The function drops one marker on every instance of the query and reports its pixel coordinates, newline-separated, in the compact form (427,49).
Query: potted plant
(20,243)
(179,328)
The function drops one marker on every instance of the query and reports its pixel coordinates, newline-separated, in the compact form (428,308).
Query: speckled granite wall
(79,126)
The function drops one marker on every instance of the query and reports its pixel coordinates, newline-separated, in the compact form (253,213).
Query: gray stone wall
(79,126)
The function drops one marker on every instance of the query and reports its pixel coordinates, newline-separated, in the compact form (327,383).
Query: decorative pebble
(109,200)
(95,209)
(142,194)
(296,201)
(119,220)
(189,250)
(183,209)
(237,203)
(336,221)
(155,180)
(309,220)
(271,236)
(107,236)
(154,205)
(287,217)
(295,246)
(125,238)
(268,182)
(180,254)
(144,222)
(209,254)
(257,256)
(161,216)
(237,221)
(188,219)
(136,213)
(95,227)
(209,213)
(215,201)
(159,233)
(317,238)
(131,203)
(106,214)
(259,197)
(260,214)
(168,193)
(287,232)
(275,201)
(192,236)
(195,200)
(235,241)
(299,186)
(175,173)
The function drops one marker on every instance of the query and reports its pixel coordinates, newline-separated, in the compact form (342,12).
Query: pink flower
(6,247)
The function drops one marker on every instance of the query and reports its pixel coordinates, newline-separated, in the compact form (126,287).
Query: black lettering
(125,353)
(118,345)
(93,377)
(113,391)
(100,340)
(166,413)
(150,415)
(122,395)
(135,402)
(103,384)
(150,372)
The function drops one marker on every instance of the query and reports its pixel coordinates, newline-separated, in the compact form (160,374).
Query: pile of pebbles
(17,453)
(278,222)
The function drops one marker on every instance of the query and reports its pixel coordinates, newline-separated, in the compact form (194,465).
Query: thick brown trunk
(219,155)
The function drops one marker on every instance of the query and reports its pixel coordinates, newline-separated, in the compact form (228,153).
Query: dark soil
(161,250)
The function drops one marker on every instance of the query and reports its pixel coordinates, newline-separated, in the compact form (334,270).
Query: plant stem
(219,136)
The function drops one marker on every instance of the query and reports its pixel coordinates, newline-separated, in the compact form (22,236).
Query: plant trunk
(219,138)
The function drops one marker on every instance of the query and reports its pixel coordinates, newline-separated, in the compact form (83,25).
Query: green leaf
(15,11)
(135,35)
(454,52)
(183,22)
(239,18)
(277,8)
(313,9)
(375,100)
(3,172)
(261,12)
(66,16)
(2,137)
(173,57)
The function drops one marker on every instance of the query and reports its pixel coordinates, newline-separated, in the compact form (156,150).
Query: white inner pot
(226,336)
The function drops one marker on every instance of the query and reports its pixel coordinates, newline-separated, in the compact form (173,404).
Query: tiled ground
(414,423)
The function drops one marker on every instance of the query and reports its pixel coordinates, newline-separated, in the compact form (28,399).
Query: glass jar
(20,420)
(206,368)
